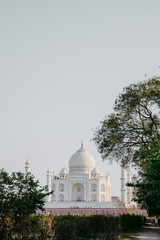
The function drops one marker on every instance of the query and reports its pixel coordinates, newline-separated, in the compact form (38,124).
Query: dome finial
(81,143)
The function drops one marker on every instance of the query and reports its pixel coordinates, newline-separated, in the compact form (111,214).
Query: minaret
(49,184)
(53,175)
(108,187)
(123,185)
(129,191)
(27,167)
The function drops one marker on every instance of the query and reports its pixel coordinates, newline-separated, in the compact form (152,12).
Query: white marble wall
(101,193)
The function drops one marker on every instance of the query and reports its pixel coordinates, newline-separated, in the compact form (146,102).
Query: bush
(83,227)
(64,227)
(46,226)
(34,227)
(6,227)
(128,221)
(105,226)
(27,228)
(86,227)
(67,227)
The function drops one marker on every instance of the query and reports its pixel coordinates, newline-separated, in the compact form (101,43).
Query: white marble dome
(95,171)
(81,162)
(63,171)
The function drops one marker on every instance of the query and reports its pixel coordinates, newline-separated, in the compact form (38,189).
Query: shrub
(45,226)
(26,228)
(86,227)
(105,226)
(67,227)
(6,227)
(83,227)
(64,228)
(128,221)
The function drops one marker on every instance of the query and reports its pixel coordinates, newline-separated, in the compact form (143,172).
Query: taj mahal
(83,181)
(83,189)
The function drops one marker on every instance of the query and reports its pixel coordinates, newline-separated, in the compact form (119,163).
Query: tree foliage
(132,135)
(147,184)
(20,196)
(134,122)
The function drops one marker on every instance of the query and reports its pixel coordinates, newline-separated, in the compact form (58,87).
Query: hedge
(67,227)
(128,221)
(82,227)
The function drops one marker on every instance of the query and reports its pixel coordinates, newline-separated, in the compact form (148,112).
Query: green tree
(134,122)
(20,196)
(147,184)
(132,135)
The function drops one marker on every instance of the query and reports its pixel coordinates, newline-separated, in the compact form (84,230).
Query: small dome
(48,172)
(27,162)
(96,171)
(64,171)
(81,162)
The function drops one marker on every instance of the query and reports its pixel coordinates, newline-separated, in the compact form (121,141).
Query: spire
(107,175)
(27,166)
(81,143)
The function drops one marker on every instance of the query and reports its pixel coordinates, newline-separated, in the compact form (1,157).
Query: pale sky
(62,65)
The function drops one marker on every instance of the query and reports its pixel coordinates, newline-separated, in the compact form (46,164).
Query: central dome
(81,162)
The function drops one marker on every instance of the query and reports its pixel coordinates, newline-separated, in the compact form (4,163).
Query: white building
(83,185)
(83,181)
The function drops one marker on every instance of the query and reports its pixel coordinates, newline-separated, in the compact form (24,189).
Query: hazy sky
(62,64)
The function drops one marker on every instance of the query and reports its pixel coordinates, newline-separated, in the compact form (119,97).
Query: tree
(147,184)
(132,135)
(20,196)
(134,122)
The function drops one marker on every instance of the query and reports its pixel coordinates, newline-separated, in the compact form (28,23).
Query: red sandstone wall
(92,211)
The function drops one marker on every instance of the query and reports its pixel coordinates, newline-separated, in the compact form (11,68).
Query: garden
(67,227)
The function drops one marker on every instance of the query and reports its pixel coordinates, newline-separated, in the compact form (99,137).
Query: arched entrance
(77,192)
